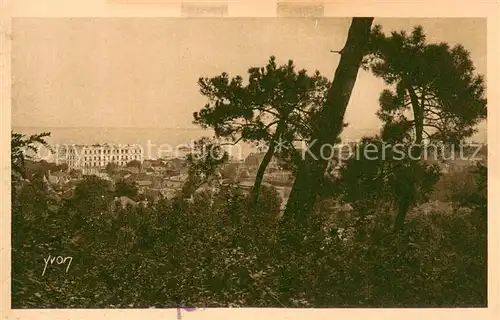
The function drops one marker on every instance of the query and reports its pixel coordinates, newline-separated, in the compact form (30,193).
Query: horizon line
(105,127)
(363,131)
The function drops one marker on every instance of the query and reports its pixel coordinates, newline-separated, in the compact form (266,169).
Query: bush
(214,252)
(466,187)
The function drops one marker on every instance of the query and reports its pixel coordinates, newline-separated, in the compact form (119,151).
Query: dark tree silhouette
(134,164)
(204,164)
(379,175)
(230,171)
(92,195)
(125,188)
(111,167)
(76,173)
(436,95)
(21,146)
(273,108)
(328,123)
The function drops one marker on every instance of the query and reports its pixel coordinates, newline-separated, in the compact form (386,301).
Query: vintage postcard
(270,159)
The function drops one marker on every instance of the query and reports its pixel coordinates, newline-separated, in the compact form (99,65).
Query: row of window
(101,161)
(126,151)
(107,151)
(104,158)
(100,164)
(112,158)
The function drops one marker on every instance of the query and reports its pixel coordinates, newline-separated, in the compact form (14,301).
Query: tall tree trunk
(310,173)
(418,115)
(407,194)
(260,174)
(254,195)
(403,207)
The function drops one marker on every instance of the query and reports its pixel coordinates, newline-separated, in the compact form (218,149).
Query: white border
(249,8)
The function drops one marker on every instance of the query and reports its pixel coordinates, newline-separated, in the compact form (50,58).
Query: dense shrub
(466,187)
(212,251)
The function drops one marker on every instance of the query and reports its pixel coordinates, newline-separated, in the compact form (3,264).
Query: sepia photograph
(292,162)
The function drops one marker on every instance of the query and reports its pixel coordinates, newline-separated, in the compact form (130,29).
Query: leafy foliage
(214,254)
(381,174)
(272,95)
(467,187)
(92,195)
(230,171)
(21,146)
(111,168)
(134,164)
(276,107)
(434,82)
(126,188)
(434,94)
(211,251)
(204,164)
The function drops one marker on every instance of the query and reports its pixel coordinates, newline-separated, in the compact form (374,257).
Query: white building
(92,158)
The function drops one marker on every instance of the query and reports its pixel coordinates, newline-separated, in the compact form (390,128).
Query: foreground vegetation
(210,252)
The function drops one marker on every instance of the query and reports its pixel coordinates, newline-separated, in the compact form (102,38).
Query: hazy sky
(142,72)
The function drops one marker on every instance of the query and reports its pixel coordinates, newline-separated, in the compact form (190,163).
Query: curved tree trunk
(311,172)
(404,205)
(260,174)
(406,200)
(405,195)
(254,195)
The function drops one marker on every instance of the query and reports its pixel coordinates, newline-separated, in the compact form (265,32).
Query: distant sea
(156,140)
(160,139)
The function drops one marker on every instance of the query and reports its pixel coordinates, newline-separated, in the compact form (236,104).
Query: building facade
(92,158)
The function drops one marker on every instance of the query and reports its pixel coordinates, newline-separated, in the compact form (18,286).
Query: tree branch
(231,143)
(268,110)
(439,114)
(336,51)
(271,124)
(426,133)
(433,126)
(431,119)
